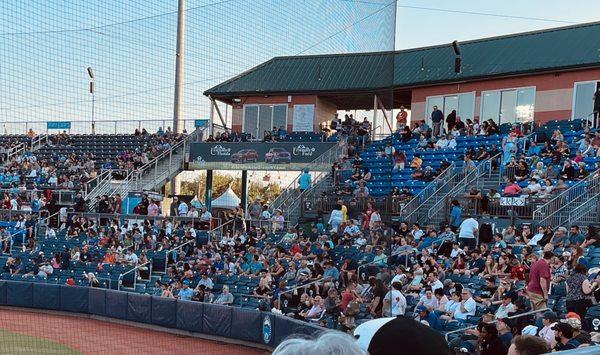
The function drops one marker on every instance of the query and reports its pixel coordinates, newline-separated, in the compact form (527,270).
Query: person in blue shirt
(455,215)
(534,149)
(431,318)
(305,180)
(256,266)
(186,292)
(576,238)
(331,273)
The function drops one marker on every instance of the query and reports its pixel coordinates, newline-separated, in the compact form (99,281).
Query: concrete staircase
(152,176)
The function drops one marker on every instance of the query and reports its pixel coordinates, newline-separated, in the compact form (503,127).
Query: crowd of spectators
(70,170)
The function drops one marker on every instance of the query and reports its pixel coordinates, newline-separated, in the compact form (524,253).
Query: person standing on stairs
(305,180)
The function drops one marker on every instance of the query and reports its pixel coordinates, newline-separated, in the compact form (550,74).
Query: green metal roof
(552,49)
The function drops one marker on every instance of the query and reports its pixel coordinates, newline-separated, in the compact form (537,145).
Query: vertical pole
(244,196)
(179,67)
(93,107)
(374,117)
(208,192)
(212,114)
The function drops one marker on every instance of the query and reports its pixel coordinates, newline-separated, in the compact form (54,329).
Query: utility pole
(179,68)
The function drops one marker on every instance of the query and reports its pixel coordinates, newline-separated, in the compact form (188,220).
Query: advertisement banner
(258,156)
(58,125)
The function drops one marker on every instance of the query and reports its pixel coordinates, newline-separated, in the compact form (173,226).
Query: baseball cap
(550,315)
(506,321)
(186,282)
(572,315)
(573,322)
(530,330)
(421,308)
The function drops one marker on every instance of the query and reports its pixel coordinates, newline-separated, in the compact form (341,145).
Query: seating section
(385,178)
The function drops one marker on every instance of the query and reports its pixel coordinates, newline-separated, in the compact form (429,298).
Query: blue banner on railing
(200,123)
(58,125)
(258,156)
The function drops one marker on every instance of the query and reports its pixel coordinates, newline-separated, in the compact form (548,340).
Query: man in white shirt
(428,300)
(451,143)
(456,250)
(546,333)
(396,299)
(468,232)
(206,281)
(192,212)
(434,282)
(506,306)
(131,258)
(182,209)
(467,306)
(533,187)
(14,205)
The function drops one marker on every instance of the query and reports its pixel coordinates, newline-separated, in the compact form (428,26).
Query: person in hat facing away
(563,332)
(574,321)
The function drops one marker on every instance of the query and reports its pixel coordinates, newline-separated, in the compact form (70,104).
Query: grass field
(15,343)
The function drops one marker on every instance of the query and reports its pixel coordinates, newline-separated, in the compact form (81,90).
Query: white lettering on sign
(220,150)
(303,151)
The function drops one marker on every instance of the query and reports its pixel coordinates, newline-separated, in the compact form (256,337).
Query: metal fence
(556,211)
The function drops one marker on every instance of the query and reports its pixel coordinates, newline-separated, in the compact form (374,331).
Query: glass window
(525,104)
(490,105)
(264,120)
(508,104)
(250,119)
(583,103)
(280,116)
(430,102)
(450,103)
(466,106)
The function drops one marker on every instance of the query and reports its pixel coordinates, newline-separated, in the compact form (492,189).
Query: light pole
(93,92)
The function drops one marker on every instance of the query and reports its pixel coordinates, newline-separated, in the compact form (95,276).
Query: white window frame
(428,98)
(258,117)
(575,94)
(506,89)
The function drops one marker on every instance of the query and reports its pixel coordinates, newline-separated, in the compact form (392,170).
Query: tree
(256,189)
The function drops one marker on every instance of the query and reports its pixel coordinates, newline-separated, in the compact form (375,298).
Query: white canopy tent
(228,200)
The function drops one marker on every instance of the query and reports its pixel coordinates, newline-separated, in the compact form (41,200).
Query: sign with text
(58,125)
(200,123)
(257,156)
(304,118)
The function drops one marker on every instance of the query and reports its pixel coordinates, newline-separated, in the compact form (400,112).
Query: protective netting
(46,47)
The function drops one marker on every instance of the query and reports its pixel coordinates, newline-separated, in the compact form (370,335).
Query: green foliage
(256,189)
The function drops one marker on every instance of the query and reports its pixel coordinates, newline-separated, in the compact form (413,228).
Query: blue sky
(45,45)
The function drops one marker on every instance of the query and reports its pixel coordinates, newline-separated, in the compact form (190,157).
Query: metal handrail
(104,174)
(580,190)
(446,335)
(290,192)
(467,180)
(297,288)
(38,141)
(170,251)
(135,269)
(445,178)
